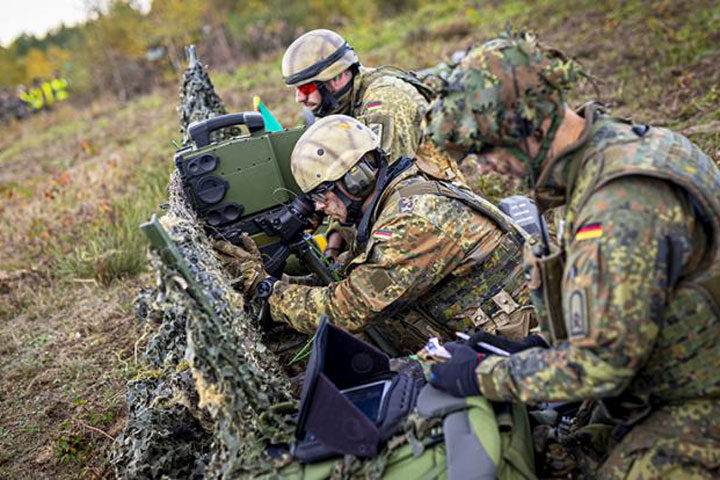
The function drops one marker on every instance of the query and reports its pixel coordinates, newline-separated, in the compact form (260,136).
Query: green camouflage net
(213,396)
(199,101)
(235,379)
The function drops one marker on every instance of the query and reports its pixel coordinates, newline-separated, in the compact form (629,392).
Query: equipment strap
(408,77)
(473,201)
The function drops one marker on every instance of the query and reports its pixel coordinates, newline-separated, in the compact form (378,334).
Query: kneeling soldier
(637,282)
(430,258)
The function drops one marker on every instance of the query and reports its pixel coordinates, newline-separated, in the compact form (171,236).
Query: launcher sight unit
(244,185)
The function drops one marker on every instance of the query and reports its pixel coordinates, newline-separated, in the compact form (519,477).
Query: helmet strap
(534,164)
(332,102)
(353,207)
(548,139)
(328,103)
(386,174)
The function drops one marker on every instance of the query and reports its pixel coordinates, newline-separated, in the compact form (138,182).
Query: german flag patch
(594,230)
(373,105)
(383,234)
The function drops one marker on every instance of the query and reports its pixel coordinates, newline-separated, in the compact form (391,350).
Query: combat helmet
(500,94)
(330,149)
(318,56)
(341,148)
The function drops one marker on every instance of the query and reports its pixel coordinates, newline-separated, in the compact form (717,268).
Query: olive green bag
(473,439)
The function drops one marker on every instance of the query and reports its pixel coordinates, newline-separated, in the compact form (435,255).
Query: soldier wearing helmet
(631,300)
(329,79)
(431,258)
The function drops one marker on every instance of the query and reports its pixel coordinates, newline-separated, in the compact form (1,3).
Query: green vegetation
(75,182)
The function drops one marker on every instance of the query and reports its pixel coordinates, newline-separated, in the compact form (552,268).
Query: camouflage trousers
(676,441)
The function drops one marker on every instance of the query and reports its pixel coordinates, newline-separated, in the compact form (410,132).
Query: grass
(113,246)
(75,184)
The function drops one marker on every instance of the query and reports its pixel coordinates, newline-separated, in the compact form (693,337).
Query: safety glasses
(307,88)
(318,194)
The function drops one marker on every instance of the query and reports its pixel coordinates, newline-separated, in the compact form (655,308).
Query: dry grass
(67,351)
(74,185)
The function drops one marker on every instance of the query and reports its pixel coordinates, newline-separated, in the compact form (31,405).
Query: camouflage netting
(195,410)
(212,396)
(204,407)
(199,101)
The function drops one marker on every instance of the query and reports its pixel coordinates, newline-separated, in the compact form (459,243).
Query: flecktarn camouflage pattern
(473,110)
(432,266)
(384,100)
(641,278)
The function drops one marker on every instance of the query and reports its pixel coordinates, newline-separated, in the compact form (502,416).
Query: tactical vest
(685,361)
(492,296)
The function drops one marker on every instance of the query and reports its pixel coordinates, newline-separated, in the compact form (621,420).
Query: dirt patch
(63,376)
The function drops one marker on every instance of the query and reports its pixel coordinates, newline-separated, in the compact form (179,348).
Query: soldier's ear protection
(359,180)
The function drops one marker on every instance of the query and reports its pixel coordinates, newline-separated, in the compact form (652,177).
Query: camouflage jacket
(391,106)
(641,236)
(432,265)
(385,99)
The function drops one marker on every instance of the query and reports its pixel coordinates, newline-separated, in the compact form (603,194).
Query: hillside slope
(76,183)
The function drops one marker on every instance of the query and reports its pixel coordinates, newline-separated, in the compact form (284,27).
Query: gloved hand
(457,375)
(503,343)
(244,263)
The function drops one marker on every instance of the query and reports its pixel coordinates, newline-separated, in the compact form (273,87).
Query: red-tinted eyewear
(307,88)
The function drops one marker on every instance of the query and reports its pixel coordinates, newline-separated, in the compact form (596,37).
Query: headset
(358,181)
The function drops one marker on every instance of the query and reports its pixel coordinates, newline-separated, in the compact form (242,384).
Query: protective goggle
(318,194)
(307,88)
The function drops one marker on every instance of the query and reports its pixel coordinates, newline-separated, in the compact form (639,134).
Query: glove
(457,375)
(245,264)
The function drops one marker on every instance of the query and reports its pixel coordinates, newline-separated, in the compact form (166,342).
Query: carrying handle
(200,131)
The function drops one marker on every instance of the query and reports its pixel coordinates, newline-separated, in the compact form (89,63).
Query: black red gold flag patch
(594,230)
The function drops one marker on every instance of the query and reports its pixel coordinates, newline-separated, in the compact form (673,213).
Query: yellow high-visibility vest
(27,98)
(37,98)
(59,86)
(48,92)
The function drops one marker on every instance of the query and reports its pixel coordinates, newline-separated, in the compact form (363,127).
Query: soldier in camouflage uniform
(633,294)
(431,258)
(329,79)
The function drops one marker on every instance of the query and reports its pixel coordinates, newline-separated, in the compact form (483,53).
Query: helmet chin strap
(353,207)
(386,174)
(332,102)
(533,166)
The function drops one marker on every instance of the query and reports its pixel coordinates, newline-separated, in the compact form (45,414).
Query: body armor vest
(492,296)
(685,362)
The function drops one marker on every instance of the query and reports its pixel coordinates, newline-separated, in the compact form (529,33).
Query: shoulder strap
(405,76)
(470,199)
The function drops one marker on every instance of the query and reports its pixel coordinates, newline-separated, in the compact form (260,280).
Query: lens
(307,88)
(318,195)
